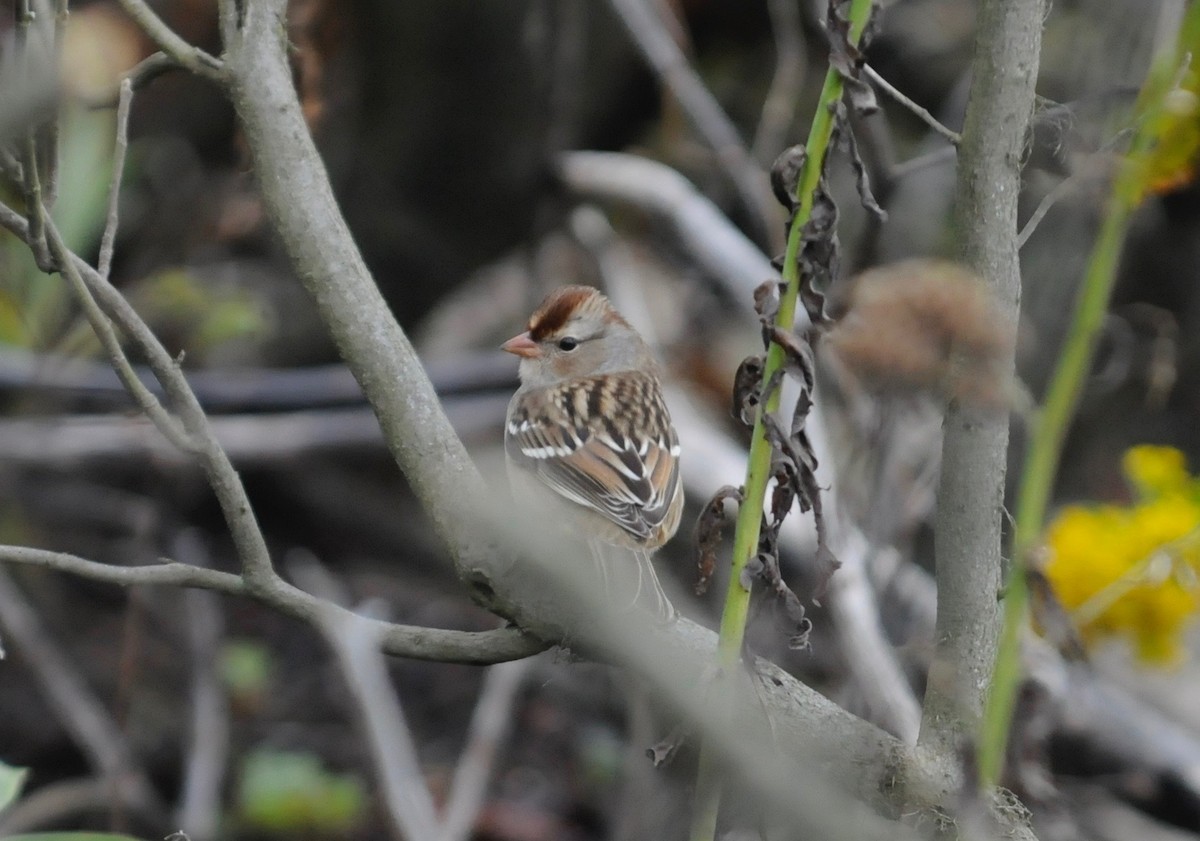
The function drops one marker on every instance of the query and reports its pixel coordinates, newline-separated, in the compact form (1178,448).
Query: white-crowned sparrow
(590,425)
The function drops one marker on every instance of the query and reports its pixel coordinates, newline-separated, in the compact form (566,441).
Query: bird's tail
(632,587)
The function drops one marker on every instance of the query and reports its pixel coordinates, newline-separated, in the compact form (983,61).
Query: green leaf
(11,781)
(289,792)
(245,667)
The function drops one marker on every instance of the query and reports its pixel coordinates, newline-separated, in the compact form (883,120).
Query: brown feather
(563,304)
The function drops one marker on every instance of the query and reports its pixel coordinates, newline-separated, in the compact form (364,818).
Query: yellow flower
(1155,470)
(1132,571)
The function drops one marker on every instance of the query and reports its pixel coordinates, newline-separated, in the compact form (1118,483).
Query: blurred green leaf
(1170,107)
(41,304)
(11,781)
(199,315)
(289,792)
(245,667)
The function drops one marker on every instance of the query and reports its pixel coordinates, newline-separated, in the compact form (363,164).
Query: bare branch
(705,234)
(193,58)
(147,402)
(1060,191)
(779,108)
(51,804)
(208,750)
(649,33)
(120,147)
(168,573)
(355,641)
(471,647)
(924,115)
(968,528)
(79,710)
(329,264)
(490,724)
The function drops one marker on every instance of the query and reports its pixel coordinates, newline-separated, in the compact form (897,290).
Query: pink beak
(522,346)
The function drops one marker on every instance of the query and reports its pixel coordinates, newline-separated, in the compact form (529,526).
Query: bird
(588,431)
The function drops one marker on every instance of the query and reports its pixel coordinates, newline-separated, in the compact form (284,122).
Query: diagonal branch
(921,112)
(189,56)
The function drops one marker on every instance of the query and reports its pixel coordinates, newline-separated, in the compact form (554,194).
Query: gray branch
(974,454)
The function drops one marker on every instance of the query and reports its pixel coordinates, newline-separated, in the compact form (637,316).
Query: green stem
(749,521)
(1062,398)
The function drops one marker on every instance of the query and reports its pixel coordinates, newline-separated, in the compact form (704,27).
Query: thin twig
(56,803)
(490,724)
(165,573)
(779,107)
(191,57)
(146,401)
(649,33)
(1061,189)
(79,710)
(204,771)
(31,186)
(142,74)
(924,115)
(706,236)
(49,137)
(120,148)
(479,648)
(355,641)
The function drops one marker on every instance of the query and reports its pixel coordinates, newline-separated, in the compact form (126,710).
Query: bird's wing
(605,443)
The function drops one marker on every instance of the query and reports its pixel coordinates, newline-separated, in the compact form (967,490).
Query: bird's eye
(568,343)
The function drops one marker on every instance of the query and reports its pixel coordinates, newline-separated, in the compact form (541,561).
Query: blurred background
(443,124)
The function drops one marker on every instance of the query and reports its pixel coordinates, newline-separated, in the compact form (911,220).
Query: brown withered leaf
(766,304)
(787,488)
(709,526)
(819,254)
(746,384)
(798,449)
(766,299)
(847,58)
(844,136)
(797,622)
(797,357)
(1052,617)
(785,173)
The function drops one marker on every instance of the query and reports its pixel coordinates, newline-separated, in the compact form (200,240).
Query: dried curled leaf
(785,173)
(1052,617)
(797,357)
(766,300)
(844,136)
(746,390)
(847,58)
(818,254)
(709,527)
(797,449)
(766,304)
(765,567)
